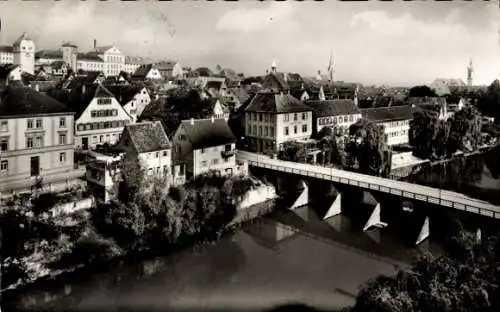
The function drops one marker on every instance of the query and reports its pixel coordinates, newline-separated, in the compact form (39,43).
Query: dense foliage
(368,148)
(489,102)
(421,91)
(466,279)
(434,138)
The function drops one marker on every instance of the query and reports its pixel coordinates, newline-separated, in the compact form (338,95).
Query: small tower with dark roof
(470,71)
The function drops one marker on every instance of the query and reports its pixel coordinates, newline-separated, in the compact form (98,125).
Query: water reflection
(476,176)
(289,256)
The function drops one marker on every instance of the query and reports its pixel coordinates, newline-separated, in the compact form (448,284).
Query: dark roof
(78,99)
(278,79)
(241,94)
(142,71)
(24,36)
(204,133)
(333,107)
(273,102)
(57,64)
(383,114)
(90,56)
(5,70)
(7,49)
(26,101)
(213,84)
(165,65)
(68,44)
(54,54)
(124,94)
(88,79)
(148,137)
(427,101)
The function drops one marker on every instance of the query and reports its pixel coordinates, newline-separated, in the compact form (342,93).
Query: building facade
(102,169)
(101,121)
(273,118)
(205,145)
(36,140)
(338,114)
(394,120)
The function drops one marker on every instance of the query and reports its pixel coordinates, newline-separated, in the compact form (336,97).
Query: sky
(395,43)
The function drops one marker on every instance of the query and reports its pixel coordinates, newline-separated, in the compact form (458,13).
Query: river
(280,258)
(287,256)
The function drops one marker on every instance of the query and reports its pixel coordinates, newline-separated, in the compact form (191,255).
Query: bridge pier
(303,198)
(424,232)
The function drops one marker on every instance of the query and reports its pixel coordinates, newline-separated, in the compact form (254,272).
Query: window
(215,161)
(4,144)
(266,117)
(351,118)
(94,139)
(304,128)
(260,131)
(38,142)
(165,153)
(4,165)
(204,163)
(285,131)
(157,155)
(104,101)
(29,142)
(29,124)
(272,131)
(4,125)
(249,130)
(295,129)
(202,151)
(165,169)
(39,123)
(254,130)
(295,117)
(62,122)
(62,157)
(101,138)
(287,117)
(304,116)
(266,131)
(346,119)
(62,139)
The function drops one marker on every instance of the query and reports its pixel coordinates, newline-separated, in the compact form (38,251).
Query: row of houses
(38,137)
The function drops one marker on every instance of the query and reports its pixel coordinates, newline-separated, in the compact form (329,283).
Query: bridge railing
(399,188)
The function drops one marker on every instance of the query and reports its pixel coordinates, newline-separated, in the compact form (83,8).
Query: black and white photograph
(248,155)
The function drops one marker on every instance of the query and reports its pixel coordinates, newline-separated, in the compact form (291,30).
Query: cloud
(406,25)
(253,20)
(68,18)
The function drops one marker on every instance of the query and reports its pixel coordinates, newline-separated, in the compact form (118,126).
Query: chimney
(95,44)
(192,121)
(213,119)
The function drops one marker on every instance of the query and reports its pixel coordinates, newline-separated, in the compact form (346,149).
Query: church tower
(470,71)
(70,52)
(24,53)
(274,68)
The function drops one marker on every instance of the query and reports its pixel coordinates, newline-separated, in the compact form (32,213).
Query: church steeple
(274,68)
(470,70)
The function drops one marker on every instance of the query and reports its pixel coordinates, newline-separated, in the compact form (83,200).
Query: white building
(395,121)
(36,140)
(134,99)
(148,143)
(205,145)
(101,173)
(339,114)
(6,55)
(100,118)
(22,53)
(9,73)
(147,72)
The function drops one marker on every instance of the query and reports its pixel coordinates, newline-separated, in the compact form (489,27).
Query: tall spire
(331,67)
(470,70)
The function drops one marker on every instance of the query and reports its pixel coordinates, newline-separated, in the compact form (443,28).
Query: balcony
(227,153)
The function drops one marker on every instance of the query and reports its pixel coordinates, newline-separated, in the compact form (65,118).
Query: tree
(465,132)
(428,135)
(131,180)
(421,91)
(489,103)
(368,147)
(293,151)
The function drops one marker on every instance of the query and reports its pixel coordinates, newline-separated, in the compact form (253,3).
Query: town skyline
(376,43)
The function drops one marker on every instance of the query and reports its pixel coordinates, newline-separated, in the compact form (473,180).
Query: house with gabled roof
(134,98)
(36,140)
(148,143)
(147,72)
(9,73)
(170,70)
(205,145)
(99,117)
